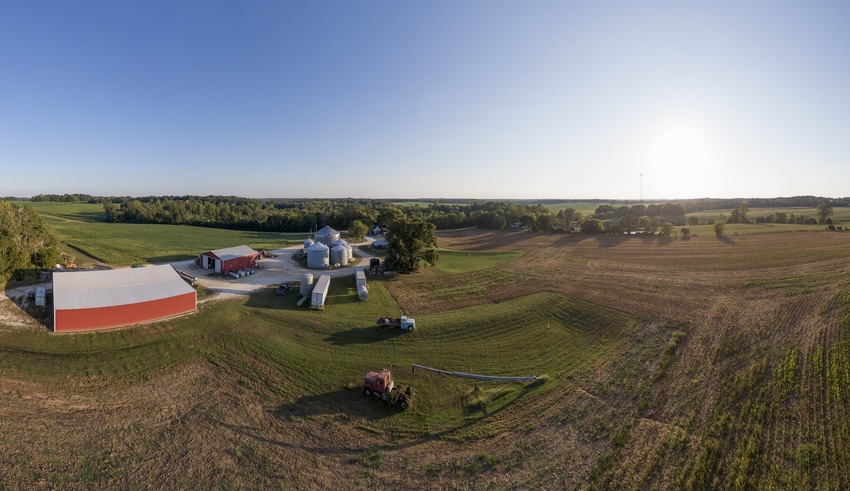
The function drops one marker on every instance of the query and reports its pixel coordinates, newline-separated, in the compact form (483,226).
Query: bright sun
(678,158)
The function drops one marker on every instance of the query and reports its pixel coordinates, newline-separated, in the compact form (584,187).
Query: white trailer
(320,292)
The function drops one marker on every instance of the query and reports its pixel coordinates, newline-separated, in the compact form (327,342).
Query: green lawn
(453,262)
(318,358)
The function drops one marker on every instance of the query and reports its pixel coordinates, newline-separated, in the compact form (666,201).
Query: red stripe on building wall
(123,315)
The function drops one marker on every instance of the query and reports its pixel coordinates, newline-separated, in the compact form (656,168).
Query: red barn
(87,300)
(230,259)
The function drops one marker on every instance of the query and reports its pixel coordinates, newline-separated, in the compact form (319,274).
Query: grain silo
(317,256)
(338,255)
(327,236)
(306,284)
(308,242)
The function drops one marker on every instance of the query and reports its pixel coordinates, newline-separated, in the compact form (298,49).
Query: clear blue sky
(436,99)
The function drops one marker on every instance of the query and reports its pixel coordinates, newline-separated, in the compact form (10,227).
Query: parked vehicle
(404,322)
(381,385)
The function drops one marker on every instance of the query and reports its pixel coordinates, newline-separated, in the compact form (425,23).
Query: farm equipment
(268,254)
(403,322)
(69,261)
(188,278)
(380,384)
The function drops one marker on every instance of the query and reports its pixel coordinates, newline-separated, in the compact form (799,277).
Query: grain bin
(338,255)
(306,284)
(317,256)
(327,236)
(308,242)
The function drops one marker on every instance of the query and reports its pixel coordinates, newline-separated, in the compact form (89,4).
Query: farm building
(87,300)
(320,291)
(230,259)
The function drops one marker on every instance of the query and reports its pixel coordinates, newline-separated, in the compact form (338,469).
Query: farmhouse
(230,259)
(87,300)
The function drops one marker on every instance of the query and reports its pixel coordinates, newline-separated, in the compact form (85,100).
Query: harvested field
(669,364)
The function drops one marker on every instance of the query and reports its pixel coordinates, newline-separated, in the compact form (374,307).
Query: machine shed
(230,259)
(88,300)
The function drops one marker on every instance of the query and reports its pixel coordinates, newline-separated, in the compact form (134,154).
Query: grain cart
(404,322)
(380,384)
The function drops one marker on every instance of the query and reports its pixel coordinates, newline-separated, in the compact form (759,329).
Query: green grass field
(700,364)
(81,228)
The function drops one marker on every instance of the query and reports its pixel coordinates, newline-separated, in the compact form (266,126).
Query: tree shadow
(725,239)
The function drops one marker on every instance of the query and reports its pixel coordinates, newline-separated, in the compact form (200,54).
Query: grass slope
(669,364)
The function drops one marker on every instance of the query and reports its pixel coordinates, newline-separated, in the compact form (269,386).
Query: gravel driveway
(272,271)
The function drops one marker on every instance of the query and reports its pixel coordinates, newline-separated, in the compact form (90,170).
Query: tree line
(302,215)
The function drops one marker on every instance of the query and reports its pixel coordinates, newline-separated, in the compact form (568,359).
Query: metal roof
(322,285)
(233,252)
(108,288)
(327,230)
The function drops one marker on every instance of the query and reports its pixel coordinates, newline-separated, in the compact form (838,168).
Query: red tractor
(380,384)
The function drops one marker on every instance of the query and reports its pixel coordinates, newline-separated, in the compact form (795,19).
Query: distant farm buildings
(88,300)
(231,259)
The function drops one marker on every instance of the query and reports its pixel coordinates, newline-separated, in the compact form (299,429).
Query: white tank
(308,242)
(363,293)
(306,284)
(317,256)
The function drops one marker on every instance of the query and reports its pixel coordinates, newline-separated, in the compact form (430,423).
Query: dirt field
(748,392)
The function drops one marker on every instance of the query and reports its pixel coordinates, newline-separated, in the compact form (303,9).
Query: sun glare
(678,159)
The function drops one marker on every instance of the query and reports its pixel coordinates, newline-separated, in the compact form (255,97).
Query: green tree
(666,229)
(25,240)
(824,210)
(357,230)
(686,232)
(739,214)
(411,242)
(544,223)
(719,225)
(629,223)
(591,226)
(389,215)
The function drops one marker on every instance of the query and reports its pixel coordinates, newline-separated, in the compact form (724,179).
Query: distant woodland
(299,215)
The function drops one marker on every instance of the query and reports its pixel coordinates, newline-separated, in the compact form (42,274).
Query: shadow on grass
(347,402)
(725,239)
(363,335)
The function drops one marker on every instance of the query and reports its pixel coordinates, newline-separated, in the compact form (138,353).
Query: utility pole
(641,189)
